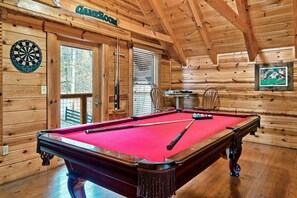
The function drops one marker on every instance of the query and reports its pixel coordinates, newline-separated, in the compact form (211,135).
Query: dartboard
(26,55)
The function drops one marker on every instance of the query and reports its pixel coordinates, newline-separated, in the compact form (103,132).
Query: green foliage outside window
(76,70)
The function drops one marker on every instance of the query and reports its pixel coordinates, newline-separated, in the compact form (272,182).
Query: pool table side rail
(242,129)
(217,113)
(142,117)
(87,157)
(48,140)
(90,126)
(248,126)
(199,161)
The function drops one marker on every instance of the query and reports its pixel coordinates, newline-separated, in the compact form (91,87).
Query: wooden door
(89,102)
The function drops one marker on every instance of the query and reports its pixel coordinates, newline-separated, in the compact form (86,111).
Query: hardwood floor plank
(266,171)
(292,192)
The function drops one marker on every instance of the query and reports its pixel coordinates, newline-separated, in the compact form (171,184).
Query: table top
(150,142)
(178,93)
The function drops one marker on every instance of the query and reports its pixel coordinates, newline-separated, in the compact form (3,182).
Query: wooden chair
(210,100)
(159,100)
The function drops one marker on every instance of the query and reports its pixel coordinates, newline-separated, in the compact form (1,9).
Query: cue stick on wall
(178,136)
(117,77)
(132,126)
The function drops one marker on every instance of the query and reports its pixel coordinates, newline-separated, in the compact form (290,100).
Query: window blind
(145,75)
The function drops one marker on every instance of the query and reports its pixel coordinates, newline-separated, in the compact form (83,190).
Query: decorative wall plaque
(274,76)
(26,55)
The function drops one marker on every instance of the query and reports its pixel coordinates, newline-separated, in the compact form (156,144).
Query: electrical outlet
(43,89)
(5,150)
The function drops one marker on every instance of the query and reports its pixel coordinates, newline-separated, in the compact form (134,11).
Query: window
(145,75)
(76,69)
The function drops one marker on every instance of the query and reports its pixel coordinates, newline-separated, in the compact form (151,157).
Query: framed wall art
(274,76)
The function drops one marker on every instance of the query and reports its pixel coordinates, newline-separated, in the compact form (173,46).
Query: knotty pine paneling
(234,78)
(24,107)
(1,85)
(164,74)
(23,129)
(24,153)
(20,169)
(124,81)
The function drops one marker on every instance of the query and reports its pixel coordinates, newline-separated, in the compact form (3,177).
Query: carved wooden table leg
(235,152)
(76,186)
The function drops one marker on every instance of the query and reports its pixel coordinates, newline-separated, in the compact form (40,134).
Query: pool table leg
(235,152)
(76,186)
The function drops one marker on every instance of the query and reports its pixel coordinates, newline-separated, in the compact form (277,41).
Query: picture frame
(274,77)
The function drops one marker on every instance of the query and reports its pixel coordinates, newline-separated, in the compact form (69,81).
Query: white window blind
(145,75)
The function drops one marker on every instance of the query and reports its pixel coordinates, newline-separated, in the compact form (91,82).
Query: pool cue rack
(117,55)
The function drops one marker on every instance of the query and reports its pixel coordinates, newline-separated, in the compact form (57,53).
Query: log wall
(25,111)
(24,107)
(234,77)
(1,94)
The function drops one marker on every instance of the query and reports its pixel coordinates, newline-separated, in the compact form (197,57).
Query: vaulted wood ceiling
(211,27)
(189,28)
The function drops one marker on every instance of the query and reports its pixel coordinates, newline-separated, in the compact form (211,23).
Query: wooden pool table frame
(121,172)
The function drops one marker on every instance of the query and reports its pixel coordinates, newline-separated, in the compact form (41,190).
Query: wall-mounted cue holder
(117,55)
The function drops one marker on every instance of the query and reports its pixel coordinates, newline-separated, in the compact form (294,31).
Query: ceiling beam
(141,3)
(199,20)
(143,31)
(241,21)
(228,13)
(295,25)
(166,25)
(249,38)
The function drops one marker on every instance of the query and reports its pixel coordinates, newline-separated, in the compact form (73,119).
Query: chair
(210,100)
(159,100)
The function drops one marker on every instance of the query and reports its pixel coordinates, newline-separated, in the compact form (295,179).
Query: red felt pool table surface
(149,142)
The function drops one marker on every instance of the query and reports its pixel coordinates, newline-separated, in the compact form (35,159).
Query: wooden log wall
(234,77)
(25,109)
(164,74)
(1,98)
(124,75)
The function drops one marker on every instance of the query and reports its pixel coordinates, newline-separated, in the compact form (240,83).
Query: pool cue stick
(132,126)
(178,136)
(117,78)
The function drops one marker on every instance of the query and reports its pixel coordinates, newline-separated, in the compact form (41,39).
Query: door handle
(97,103)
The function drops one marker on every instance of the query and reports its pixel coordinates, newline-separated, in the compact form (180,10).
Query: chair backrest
(157,97)
(210,99)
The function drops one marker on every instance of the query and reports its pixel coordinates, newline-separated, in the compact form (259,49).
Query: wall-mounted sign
(26,55)
(96,14)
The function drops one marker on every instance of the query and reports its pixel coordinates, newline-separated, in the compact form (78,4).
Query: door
(79,84)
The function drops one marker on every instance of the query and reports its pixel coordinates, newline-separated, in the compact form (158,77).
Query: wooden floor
(266,171)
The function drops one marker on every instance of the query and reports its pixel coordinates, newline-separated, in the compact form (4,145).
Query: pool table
(135,161)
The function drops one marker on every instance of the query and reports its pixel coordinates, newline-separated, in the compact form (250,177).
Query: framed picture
(274,76)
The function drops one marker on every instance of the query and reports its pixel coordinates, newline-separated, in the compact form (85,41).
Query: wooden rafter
(165,23)
(144,31)
(198,17)
(249,38)
(141,3)
(241,21)
(295,25)
(228,13)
